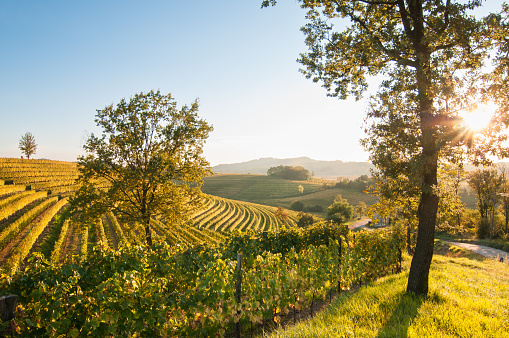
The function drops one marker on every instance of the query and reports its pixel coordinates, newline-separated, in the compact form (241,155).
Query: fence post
(339,258)
(8,307)
(238,288)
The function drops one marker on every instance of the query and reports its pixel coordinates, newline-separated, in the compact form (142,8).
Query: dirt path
(362,224)
(484,250)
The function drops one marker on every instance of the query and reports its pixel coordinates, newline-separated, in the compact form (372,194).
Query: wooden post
(8,307)
(339,258)
(238,289)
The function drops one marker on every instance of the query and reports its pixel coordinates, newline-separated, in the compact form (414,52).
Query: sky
(61,61)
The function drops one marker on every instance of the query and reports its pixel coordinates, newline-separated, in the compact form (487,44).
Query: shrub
(297,206)
(483,228)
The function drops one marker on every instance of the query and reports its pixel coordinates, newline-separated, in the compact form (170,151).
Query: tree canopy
(433,57)
(340,210)
(27,144)
(289,173)
(147,162)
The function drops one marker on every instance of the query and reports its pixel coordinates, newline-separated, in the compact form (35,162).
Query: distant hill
(325,169)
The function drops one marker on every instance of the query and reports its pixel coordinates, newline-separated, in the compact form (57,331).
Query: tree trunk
(148,233)
(421,261)
(427,211)
(428,205)
(408,239)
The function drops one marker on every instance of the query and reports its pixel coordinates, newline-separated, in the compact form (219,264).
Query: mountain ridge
(320,168)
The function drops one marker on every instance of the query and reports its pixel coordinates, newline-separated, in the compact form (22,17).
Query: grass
(469,297)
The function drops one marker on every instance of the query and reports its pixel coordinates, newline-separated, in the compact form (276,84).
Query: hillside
(34,217)
(278,192)
(323,169)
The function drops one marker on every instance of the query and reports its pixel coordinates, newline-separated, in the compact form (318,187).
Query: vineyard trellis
(191,292)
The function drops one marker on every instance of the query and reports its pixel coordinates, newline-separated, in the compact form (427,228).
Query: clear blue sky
(63,60)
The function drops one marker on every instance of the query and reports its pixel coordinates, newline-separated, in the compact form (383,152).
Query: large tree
(429,55)
(148,161)
(27,144)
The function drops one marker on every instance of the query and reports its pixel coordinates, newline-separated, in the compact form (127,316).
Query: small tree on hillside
(27,144)
(304,219)
(297,206)
(340,211)
(148,161)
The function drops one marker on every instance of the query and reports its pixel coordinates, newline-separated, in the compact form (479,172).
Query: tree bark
(148,233)
(427,212)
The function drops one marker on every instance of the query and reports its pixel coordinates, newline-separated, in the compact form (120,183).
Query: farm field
(33,217)
(278,192)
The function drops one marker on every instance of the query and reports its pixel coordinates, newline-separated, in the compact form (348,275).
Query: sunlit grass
(468,298)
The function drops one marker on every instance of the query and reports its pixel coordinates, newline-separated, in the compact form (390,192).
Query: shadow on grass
(405,311)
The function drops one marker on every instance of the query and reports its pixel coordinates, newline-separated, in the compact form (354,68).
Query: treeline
(361,183)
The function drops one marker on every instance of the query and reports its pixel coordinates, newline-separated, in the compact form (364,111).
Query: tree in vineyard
(27,144)
(340,211)
(147,162)
(431,55)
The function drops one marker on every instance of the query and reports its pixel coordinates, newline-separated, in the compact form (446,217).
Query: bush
(305,219)
(483,229)
(297,206)
(314,208)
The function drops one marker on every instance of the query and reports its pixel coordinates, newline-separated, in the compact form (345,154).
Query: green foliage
(432,57)
(147,162)
(305,219)
(361,183)
(289,173)
(164,291)
(340,211)
(27,144)
(485,184)
(483,228)
(297,206)
(314,208)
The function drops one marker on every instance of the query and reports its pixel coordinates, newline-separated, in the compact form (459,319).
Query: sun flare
(480,117)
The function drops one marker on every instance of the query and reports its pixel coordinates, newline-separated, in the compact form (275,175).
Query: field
(33,217)
(278,192)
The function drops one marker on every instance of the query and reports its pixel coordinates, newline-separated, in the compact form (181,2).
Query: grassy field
(469,297)
(277,192)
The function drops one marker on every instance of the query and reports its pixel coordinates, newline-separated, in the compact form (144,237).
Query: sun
(480,117)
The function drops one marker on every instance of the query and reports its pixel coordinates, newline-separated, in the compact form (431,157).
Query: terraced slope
(33,217)
(221,214)
(55,176)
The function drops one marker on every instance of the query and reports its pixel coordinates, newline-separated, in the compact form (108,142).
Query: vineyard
(277,192)
(99,278)
(33,200)
(168,291)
